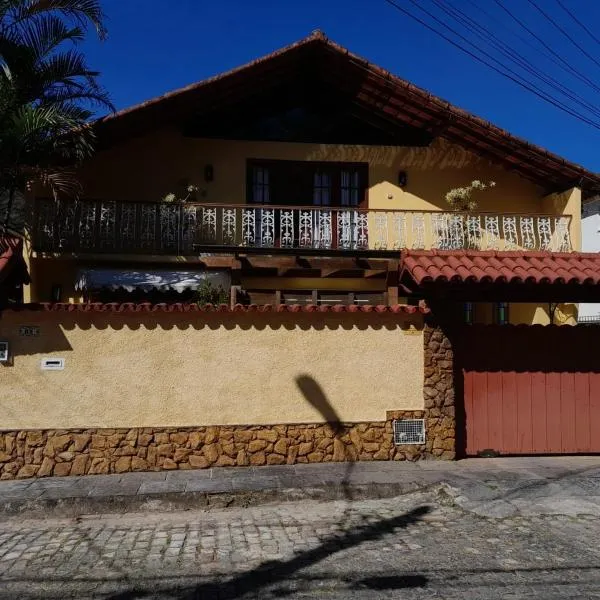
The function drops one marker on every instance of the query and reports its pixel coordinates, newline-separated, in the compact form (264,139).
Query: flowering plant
(171,197)
(460,198)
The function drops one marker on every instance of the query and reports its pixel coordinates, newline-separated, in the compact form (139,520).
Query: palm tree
(48,95)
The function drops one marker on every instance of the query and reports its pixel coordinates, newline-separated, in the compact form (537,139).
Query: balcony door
(328,198)
(294,183)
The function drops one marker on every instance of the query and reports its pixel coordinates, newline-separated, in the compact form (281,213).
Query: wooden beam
(316,262)
(348,284)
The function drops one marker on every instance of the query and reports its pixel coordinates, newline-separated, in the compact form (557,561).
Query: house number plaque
(29,330)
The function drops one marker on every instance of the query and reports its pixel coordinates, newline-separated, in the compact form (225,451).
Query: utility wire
(572,70)
(580,23)
(565,33)
(508,73)
(525,40)
(488,37)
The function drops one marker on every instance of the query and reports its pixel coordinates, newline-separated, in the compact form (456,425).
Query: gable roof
(372,90)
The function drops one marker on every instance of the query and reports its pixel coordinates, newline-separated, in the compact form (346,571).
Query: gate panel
(510,421)
(582,411)
(531,390)
(539,410)
(524,413)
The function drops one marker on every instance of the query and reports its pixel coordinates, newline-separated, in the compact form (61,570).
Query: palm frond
(47,93)
(83,12)
(46,34)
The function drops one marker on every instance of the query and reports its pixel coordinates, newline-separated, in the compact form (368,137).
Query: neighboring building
(590,242)
(347,281)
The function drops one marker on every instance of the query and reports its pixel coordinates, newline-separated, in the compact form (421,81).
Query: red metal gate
(531,389)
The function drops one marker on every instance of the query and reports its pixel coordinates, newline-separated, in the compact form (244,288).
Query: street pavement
(499,528)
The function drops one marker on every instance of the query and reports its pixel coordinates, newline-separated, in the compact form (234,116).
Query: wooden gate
(531,389)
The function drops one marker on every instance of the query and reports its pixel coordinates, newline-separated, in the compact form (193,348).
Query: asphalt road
(421,545)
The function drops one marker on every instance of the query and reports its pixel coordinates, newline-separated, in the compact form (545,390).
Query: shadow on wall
(49,337)
(440,154)
(280,578)
(216,320)
(529,348)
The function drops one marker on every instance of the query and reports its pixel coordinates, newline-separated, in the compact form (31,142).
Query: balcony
(114,227)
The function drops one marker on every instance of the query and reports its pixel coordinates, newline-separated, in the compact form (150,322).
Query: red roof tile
(470,266)
(131,307)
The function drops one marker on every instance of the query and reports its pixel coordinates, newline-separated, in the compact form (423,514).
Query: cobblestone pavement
(415,546)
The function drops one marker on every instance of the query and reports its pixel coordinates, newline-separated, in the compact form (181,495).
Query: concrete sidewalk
(491,487)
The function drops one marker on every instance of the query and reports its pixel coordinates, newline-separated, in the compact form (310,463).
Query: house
(314,186)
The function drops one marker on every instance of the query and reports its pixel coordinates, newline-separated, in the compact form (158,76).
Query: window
(260,185)
(295,183)
(468,313)
(501,313)
(321,188)
(350,187)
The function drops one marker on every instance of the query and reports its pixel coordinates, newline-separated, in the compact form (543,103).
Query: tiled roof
(374,89)
(440,266)
(131,307)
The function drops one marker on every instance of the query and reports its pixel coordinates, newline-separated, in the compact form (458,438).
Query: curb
(76,506)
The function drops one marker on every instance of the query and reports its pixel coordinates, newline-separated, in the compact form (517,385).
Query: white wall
(590,242)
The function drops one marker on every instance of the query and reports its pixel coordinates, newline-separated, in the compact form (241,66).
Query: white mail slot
(53,364)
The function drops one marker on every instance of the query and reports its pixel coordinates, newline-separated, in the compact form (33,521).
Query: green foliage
(207,293)
(48,94)
(191,190)
(461,198)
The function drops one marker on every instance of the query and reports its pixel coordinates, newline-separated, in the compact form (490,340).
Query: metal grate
(589,319)
(409,431)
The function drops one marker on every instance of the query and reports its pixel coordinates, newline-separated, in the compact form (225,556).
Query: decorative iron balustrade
(185,229)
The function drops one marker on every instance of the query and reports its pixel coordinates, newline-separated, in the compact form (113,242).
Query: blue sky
(155,46)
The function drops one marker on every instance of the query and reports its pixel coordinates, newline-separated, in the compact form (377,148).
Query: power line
(565,33)
(580,23)
(525,40)
(514,77)
(572,70)
(490,38)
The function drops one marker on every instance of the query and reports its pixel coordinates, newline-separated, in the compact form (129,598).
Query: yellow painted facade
(148,167)
(208,369)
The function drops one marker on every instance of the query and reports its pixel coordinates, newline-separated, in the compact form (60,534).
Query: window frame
(312,170)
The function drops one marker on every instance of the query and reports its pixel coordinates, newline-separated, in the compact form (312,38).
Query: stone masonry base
(89,451)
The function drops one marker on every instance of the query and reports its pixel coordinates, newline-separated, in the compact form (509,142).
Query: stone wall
(440,393)
(92,451)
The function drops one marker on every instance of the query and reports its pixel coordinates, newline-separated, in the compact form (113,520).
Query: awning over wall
(472,266)
(515,276)
(147,280)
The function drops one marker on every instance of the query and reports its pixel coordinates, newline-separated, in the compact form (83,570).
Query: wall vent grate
(409,431)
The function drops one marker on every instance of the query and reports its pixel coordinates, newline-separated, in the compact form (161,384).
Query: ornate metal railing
(185,229)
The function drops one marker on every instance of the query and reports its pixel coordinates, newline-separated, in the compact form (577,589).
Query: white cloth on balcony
(147,280)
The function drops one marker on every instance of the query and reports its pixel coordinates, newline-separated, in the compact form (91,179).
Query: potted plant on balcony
(191,191)
(177,211)
(451,231)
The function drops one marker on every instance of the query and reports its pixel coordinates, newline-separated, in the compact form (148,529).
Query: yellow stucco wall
(174,370)
(149,167)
